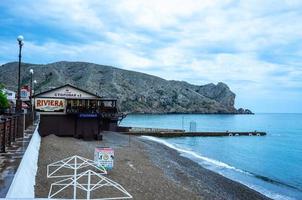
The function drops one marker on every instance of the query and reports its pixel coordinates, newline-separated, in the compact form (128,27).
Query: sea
(271,164)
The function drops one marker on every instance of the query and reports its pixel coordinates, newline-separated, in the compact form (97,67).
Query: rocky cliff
(136,92)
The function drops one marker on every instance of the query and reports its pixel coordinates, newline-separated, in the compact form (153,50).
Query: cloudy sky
(254,46)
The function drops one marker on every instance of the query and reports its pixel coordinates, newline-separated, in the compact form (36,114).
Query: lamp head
(31,71)
(20,38)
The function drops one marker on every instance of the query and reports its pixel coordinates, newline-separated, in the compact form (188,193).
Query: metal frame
(88,186)
(73,162)
(77,162)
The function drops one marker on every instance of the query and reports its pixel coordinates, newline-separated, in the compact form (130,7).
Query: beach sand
(146,169)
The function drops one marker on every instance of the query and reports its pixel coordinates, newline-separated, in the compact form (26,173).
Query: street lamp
(33,103)
(35,83)
(31,71)
(20,39)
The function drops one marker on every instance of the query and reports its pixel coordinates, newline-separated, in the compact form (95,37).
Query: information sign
(104,156)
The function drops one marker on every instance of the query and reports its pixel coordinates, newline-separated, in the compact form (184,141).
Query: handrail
(8,131)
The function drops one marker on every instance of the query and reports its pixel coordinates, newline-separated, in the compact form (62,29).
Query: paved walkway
(10,160)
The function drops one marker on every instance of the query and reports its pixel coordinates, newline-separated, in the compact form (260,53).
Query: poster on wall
(104,156)
(49,105)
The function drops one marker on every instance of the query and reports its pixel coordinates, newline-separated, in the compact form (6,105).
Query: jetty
(157,132)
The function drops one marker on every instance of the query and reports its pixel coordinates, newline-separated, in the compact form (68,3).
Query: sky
(254,46)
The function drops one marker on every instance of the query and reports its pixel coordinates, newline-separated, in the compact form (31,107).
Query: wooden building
(71,111)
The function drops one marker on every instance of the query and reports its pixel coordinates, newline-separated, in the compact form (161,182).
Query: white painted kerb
(23,185)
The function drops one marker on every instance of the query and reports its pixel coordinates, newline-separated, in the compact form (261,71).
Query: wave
(219,166)
(273,181)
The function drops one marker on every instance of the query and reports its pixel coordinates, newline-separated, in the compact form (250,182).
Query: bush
(3,99)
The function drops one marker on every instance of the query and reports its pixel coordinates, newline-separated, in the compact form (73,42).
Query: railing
(99,110)
(8,132)
(12,127)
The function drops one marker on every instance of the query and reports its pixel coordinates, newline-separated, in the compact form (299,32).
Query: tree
(3,99)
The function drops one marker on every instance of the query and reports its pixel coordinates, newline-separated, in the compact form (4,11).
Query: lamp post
(20,39)
(33,104)
(33,91)
(35,82)
(31,71)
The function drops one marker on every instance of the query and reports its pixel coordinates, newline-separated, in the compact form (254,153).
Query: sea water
(270,164)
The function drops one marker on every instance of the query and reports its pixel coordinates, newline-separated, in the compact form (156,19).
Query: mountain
(136,92)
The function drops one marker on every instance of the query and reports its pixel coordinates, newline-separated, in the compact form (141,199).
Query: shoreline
(146,169)
(202,176)
(184,113)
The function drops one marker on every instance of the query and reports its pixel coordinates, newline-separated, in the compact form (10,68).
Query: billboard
(49,105)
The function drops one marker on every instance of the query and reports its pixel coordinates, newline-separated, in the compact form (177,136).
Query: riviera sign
(50,105)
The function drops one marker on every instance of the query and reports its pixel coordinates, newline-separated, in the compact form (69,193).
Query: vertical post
(31,97)
(1,138)
(31,103)
(34,114)
(24,124)
(20,122)
(19,103)
(31,87)
(9,141)
(33,110)
(17,125)
(15,129)
(3,141)
(88,185)
(74,179)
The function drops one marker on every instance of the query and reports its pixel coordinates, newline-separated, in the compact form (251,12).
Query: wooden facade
(70,111)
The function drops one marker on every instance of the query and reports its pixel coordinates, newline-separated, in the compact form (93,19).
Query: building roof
(94,96)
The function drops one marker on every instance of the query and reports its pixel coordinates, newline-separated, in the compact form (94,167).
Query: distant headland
(137,92)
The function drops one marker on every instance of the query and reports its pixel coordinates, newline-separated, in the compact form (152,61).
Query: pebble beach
(146,169)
